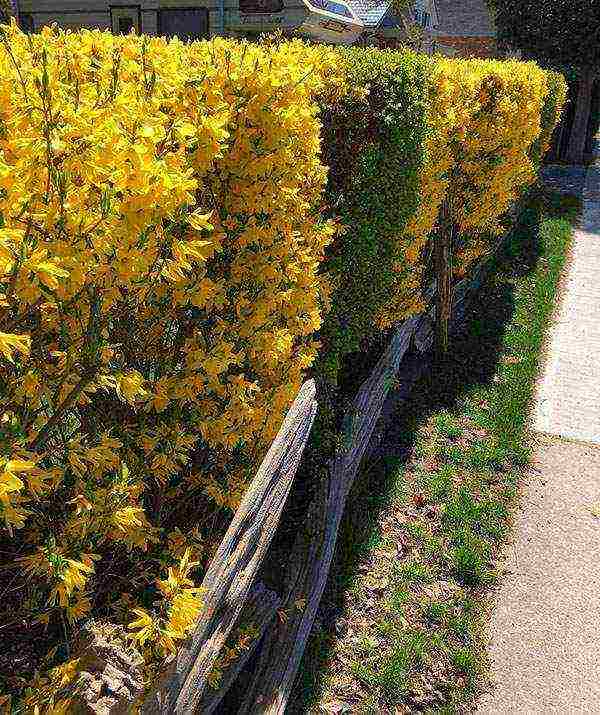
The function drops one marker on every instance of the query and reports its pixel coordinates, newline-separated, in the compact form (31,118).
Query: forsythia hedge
(414,132)
(173,252)
(160,241)
(491,122)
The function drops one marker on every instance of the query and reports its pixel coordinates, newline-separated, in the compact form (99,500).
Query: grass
(429,521)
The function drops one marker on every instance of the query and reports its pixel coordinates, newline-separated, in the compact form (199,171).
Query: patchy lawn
(402,624)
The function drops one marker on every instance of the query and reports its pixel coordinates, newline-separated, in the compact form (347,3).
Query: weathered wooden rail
(233,593)
(232,572)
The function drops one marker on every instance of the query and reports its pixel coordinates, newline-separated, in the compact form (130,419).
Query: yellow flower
(130,386)
(143,625)
(199,221)
(11,343)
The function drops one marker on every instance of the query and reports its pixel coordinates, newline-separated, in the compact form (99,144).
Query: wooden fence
(233,592)
(559,146)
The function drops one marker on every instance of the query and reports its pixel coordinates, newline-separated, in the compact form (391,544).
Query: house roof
(371,12)
(379,13)
(464,18)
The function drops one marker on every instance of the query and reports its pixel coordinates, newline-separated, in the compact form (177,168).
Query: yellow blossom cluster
(487,131)
(160,242)
(158,633)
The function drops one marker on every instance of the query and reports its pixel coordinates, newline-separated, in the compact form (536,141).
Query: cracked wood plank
(233,570)
(272,680)
(259,611)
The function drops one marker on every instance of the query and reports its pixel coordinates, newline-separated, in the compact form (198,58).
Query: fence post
(443,244)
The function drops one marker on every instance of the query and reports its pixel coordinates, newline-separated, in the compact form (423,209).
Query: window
(261,6)
(335,8)
(422,16)
(186,23)
(124,19)
(125,25)
(26,22)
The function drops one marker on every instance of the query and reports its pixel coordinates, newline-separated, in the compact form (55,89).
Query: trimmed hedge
(160,241)
(416,131)
(180,227)
(374,143)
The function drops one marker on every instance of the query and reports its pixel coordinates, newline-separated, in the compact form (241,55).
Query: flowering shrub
(160,238)
(486,139)
(414,132)
(169,262)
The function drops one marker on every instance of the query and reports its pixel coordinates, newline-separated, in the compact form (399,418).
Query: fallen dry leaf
(595,510)
(418,500)
(335,707)
(512,360)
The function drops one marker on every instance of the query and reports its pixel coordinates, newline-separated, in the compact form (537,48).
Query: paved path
(545,629)
(568,402)
(564,179)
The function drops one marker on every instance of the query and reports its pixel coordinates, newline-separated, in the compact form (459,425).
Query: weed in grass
(367,643)
(385,628)
(465,660)
(485,518)
(468,558)
(439,484)
(421,450)
(493,517)
(485,455)
(461,626)
(432,548)
(447,425)
(445,710)
(398,600)
(362,672)
(414,571)
(438,641)
(452,455)
(416,531)
(394,677)
(521,454)
(347,581)
(372,542)
(436,612)
(462,509)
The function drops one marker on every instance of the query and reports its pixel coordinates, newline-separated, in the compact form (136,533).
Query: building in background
(385,27)
(452,27)
(466,27)
(330,21)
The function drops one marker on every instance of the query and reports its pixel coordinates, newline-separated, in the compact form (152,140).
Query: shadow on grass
(474,361)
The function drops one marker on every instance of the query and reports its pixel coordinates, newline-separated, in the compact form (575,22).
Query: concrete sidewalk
(545,629)
(568,402)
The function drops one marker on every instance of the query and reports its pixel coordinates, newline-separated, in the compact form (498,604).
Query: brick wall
(465,18)
(470,46)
